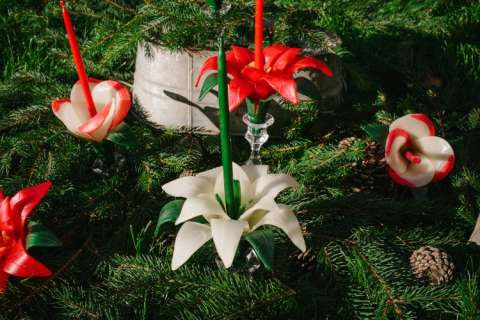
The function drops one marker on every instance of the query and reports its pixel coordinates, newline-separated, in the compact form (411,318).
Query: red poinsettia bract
(281,63)
(14,212)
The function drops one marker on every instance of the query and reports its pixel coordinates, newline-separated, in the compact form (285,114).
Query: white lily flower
(258,192)
(112,103)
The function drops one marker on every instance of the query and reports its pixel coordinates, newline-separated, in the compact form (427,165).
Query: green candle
(225,142)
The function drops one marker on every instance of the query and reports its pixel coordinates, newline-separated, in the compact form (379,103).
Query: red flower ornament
(281,63)
(415,156)
(14,212)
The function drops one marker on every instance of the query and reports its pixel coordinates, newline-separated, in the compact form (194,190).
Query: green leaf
(124,137)
(378,132)
(262,241)
(169,213)
(307,88)
(40,236)
(215,4)
(210,82)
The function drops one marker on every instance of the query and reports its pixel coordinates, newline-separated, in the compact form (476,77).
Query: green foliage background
(398,56)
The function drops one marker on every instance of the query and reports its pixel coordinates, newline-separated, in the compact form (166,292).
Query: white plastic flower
(112,103)
(415,156)
(258,192)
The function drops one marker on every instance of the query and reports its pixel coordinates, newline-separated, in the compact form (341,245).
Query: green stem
(225,143)
(257,111)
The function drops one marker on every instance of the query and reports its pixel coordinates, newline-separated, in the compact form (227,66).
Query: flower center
(252,65)
(410,156)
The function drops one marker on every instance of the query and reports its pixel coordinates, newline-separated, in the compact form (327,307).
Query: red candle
(259,58)
(77,59)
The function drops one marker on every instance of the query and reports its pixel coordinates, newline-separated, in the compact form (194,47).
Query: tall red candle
(259,58)
(77,59)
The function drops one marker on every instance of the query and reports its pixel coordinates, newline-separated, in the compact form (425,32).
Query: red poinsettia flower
(14,212)
(281,63)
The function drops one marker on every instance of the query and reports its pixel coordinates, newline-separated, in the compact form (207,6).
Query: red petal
(396,177)
(3,282)
(308,62)
(243,56)
(445,170)
(425,119)
(252,74)
(27,199)
(8,221)
(18,263)
(272,53)
(97,121)
(238,91)
(285,59)
(394,134)
(123,103)
(262,91)
(284,85)
(209,65)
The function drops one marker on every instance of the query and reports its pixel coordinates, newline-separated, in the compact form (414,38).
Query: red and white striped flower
(112,103)
(415,156)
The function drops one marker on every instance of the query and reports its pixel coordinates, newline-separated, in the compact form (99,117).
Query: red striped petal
(20,264)
(394,134)
(96,122)
(57,104)
(27,199)
(238,91)
(210,64)
(396,177)
(284,85)
(285,59)
(308,62)
(445,170)
(425,119)
(123,102)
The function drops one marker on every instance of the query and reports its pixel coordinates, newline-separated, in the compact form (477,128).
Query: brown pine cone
(305,261)
(432,264)
(370,173)
(187,173)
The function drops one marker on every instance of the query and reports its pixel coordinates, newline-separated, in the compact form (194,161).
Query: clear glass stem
(257,136)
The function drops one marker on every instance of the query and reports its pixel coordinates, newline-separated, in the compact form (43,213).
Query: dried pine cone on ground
(370,173)
(432,264)
(304,261)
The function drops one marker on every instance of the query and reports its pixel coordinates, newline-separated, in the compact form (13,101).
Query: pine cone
(433,264)
(304,261)
(370,173)
(346,143)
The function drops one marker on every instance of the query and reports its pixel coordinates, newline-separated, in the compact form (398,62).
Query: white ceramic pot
(164,90)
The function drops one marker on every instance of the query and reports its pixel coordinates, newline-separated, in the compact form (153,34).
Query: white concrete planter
(164,90)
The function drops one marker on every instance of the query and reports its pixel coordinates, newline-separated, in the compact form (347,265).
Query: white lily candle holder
(415,156)
(204,196)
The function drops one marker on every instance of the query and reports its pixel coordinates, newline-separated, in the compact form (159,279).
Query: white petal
(78,98)
(285,219)
(191,237)
(419,175)
(271,185)
(211,174)
(102,131)
(226,236)
(438,151)
(71,116)
(264,205)
(247,191)
(475,237)
(202,205)
(417,125)
(187,187)
(255,171)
